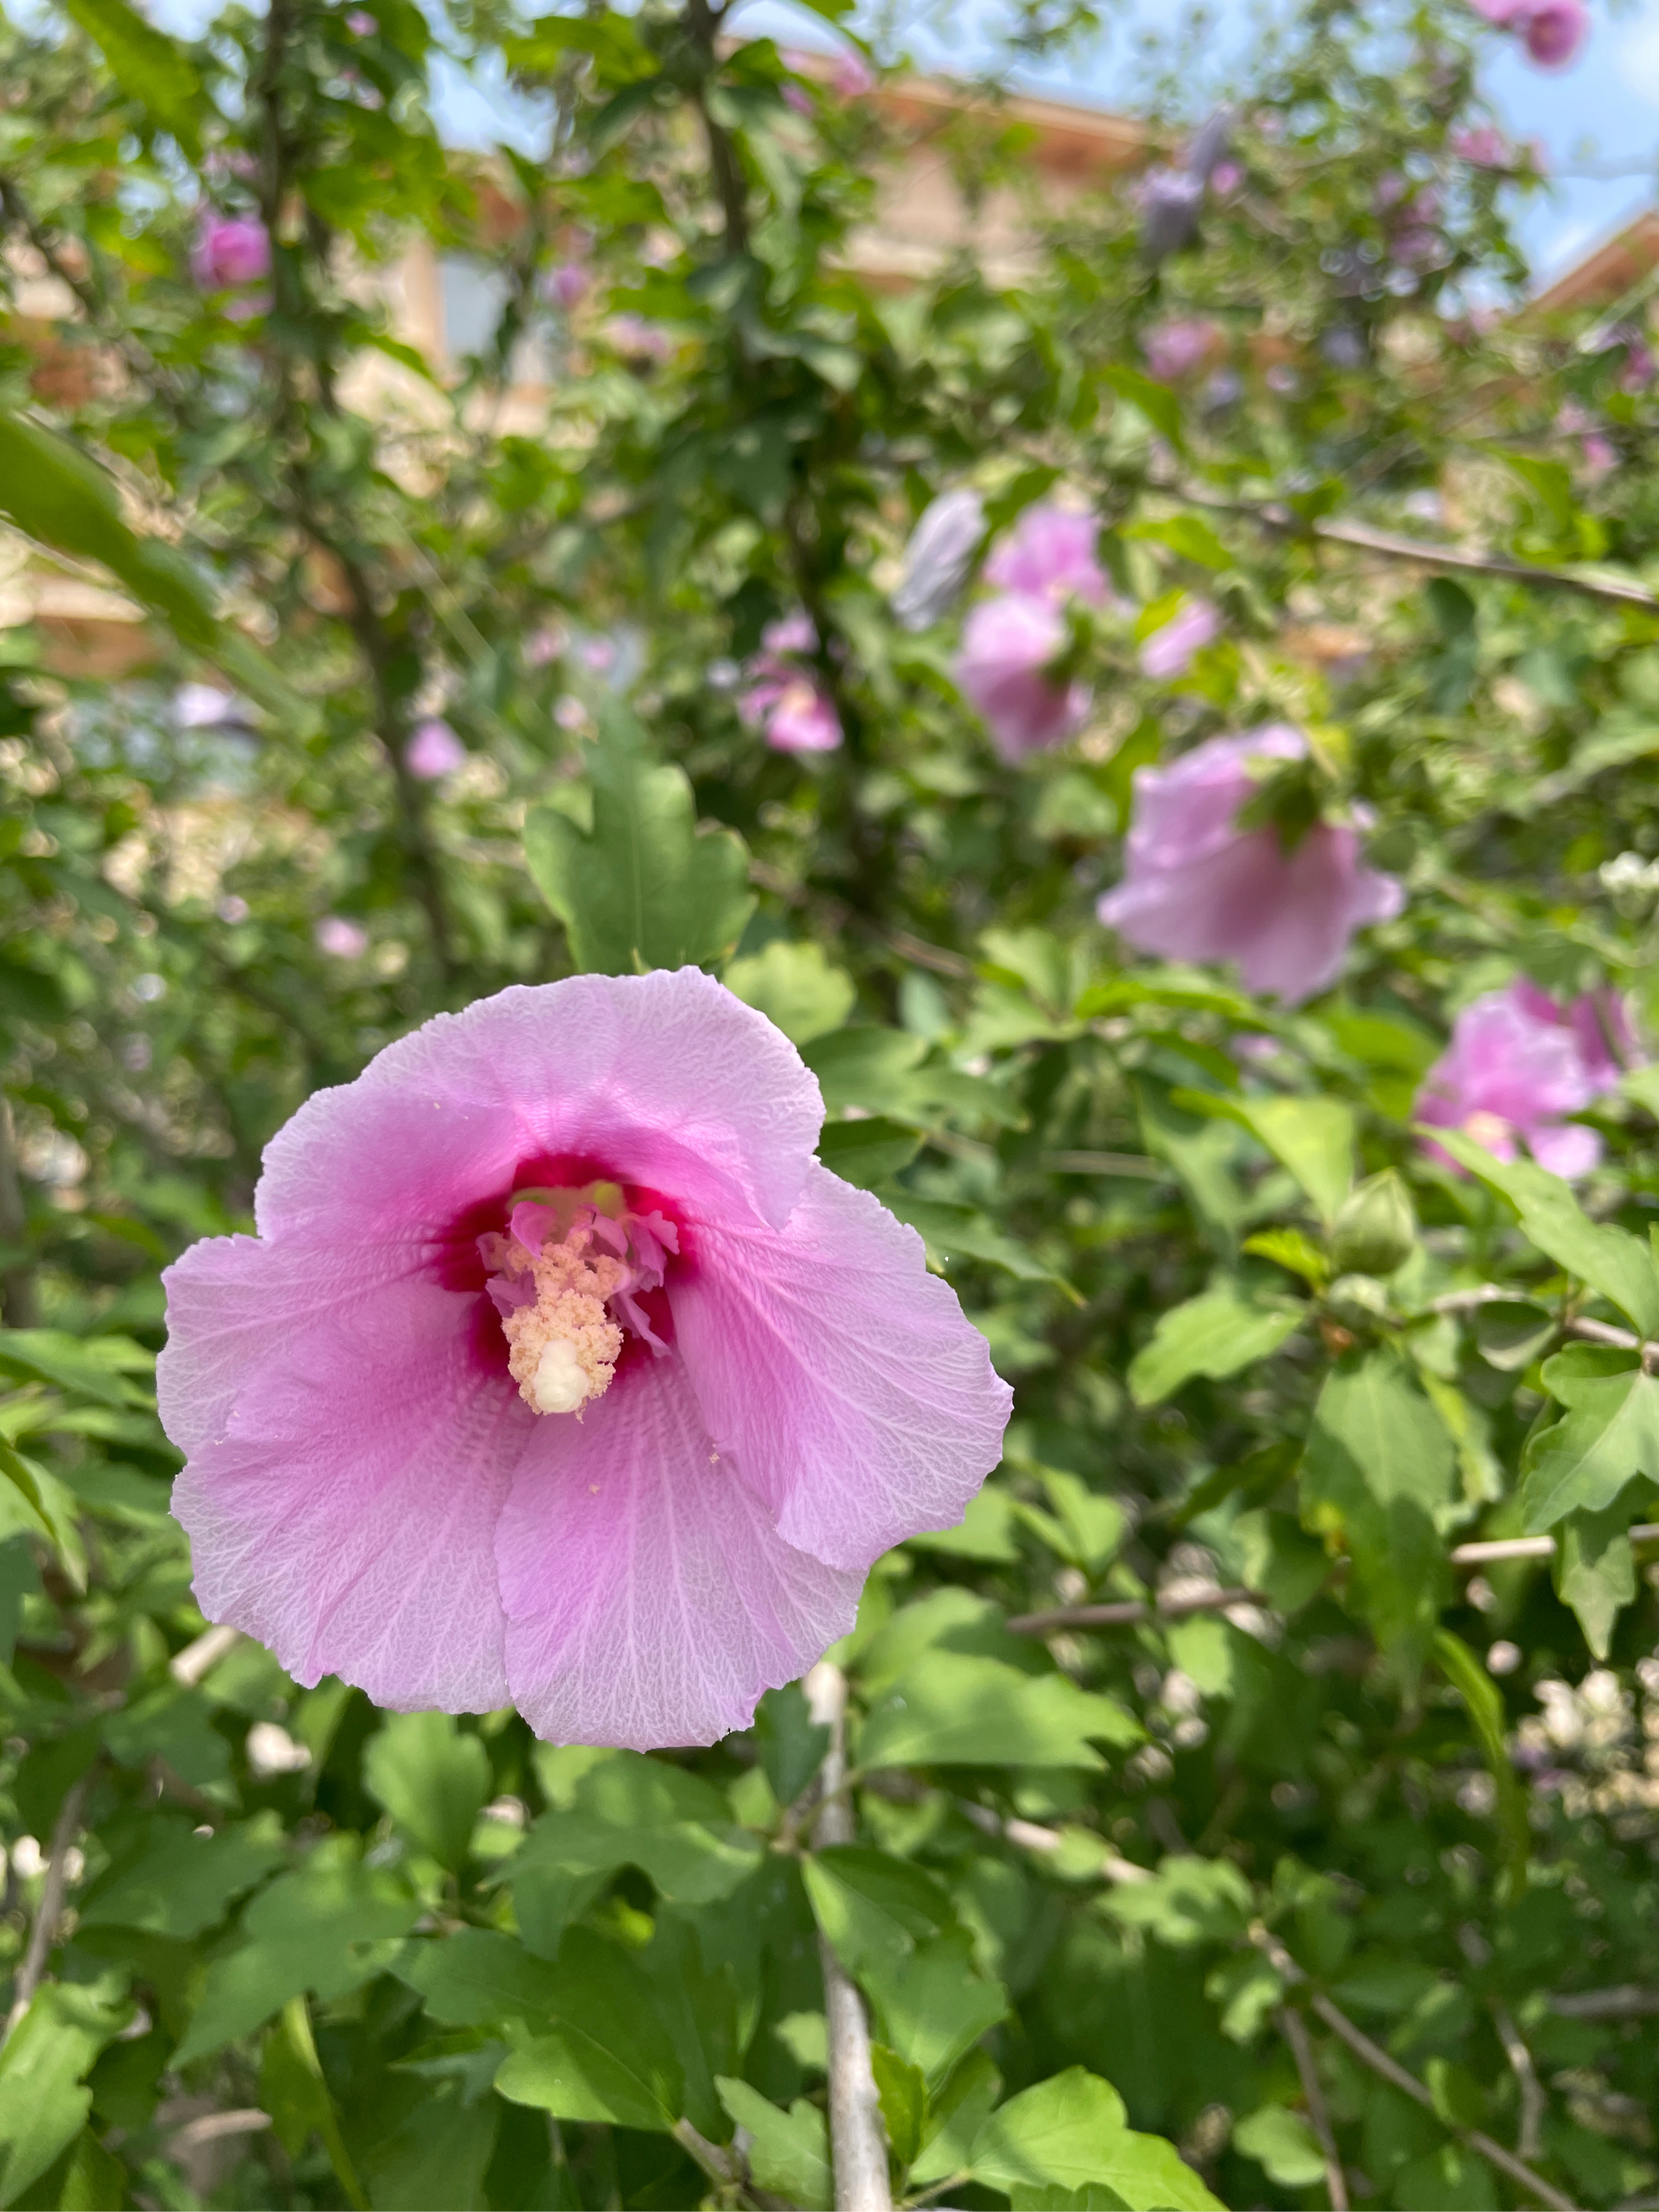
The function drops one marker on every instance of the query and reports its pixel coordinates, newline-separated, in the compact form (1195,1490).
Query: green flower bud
(1376,1229)
(1358,1301)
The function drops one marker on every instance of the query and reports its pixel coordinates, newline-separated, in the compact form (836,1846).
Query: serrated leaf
(790,2151)
(1595,1571)
(476,1977)
(185,1880)
(1215,1334)
(903,2095)
(873,1907)
(645,888)
(1609,1436)
(1609,1260)
(935,2006)
(1072,2130)
(42,2105)
(1188,1901)
(608,2056)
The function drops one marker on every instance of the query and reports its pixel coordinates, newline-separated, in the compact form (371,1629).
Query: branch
(201,1656)
(65,1829)
(858,2141)
(1294,2029)
(1626,2003)
(1373,2055)
(1131,1612)
(17,1299)
(1529,2136)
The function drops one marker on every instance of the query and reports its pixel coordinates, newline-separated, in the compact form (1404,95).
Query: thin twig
(858,2141)
(1041,1842)
(1294,2029)
(1529,2136)
(1373,2055)
(200,1656)
(18,1302)
(65,1829)
(1626,2002)
(1130,1612)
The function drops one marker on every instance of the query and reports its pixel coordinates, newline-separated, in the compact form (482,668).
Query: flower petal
(666,1079)
(342,1499)
(853,1394)
(649,1598)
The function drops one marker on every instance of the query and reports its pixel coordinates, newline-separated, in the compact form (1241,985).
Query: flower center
(1491,1130)
(566,1278)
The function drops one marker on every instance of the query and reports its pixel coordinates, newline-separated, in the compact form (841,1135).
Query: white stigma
(563,1350)
(560,1384)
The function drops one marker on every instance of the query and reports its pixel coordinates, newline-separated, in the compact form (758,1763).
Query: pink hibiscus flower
(1175,351)
(1519,1061)
(1552,30)
(561,1372)
(1170,649)
(230,251)
(1008,645)
(1198,887)
(435,750)
(1050,554)
(786,701)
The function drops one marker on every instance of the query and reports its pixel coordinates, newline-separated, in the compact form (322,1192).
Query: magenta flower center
(566,1277)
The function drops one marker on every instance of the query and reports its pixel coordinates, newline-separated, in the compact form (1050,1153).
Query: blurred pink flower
(1170,649)
(566,284)
(545,644)
(791,633)
(787,701)
(1225,178)
(1177,349)
(1196,886)
(1008,644)
(360,23)
(801,719)
(434,751)
(798,97)
(1050,554)
(230,251)
(1552,30)
(1601,454)
(1518,1062)
(852,77)
(560,1372)
(340,939)
(645,341)
(1639,368)
(1483,146)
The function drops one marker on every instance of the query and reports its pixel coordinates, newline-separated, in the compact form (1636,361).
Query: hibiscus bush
(877,1056)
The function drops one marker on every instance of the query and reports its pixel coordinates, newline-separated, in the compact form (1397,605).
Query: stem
(1294,2029)
(18,1301)
(65,1829)
(1529,2136)
(703,25)
(1131,1612)
(1373,2055)
(858,2141)
(200,1657)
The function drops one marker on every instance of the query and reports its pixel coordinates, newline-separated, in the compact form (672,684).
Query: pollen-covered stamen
(553,1276)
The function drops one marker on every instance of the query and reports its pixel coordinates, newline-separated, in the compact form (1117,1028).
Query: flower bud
(1359,1303)
(1376,1229)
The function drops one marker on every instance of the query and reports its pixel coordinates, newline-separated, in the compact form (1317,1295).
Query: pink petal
(1566,1150)
(664,1080)
(342,1503)
(649,1599)
(839,1377)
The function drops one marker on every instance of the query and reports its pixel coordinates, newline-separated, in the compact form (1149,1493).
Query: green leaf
(1609,1260)
(148,66)
(1187,1901)
(184,1881)
(1596,1571)
(1215,1334)
(1609,1436)
(934,2007)
(1510,1332)
(1070,2130)
(1155,401)
(1312,1138)
(955,1709)
(790,2151)
(34,1499)
(795,987)
(630,1810)
(608,2056)
(1485,1705)
(90,1367)
(1378,1467)
(790,1742)
(867,1152)
(1093,1524)
(431,1779)
(478,1977)
(328,1927)
(1187,535)
(961,1233)
(645,888)
(868,1068)
(43,2106)
(296,2095)
(871,1908)
(903,2095)
(1283,2145)
(58,495)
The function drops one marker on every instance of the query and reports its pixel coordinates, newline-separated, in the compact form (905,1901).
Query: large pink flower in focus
(1050,554)
(1518,1062)
(1008,645)
(561,1372)
(1198,887)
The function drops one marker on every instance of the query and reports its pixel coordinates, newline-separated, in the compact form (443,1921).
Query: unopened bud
(1376,1230)
(1357,1303)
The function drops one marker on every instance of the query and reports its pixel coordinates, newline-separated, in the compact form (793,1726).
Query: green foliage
(1307,1628)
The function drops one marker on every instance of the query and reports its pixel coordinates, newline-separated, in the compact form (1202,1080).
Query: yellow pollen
(562,1351)
(1491,1130)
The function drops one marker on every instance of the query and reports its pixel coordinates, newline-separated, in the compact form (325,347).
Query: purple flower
(1197,886)
(787,701)
(360,23)
(1170,649)
(1050,554)
(340,939)
(561,1372)
(1639,368)
(230,251)
(566,284)
(791,633)
(798,97)
(1008,645)
(1225,179)
(435,750)
(1175,351)
(1170,200)
(852,77)
(1483,146)
(1601,454)
(1518,1062)
(1552,30)
(939,555)
(801,719)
